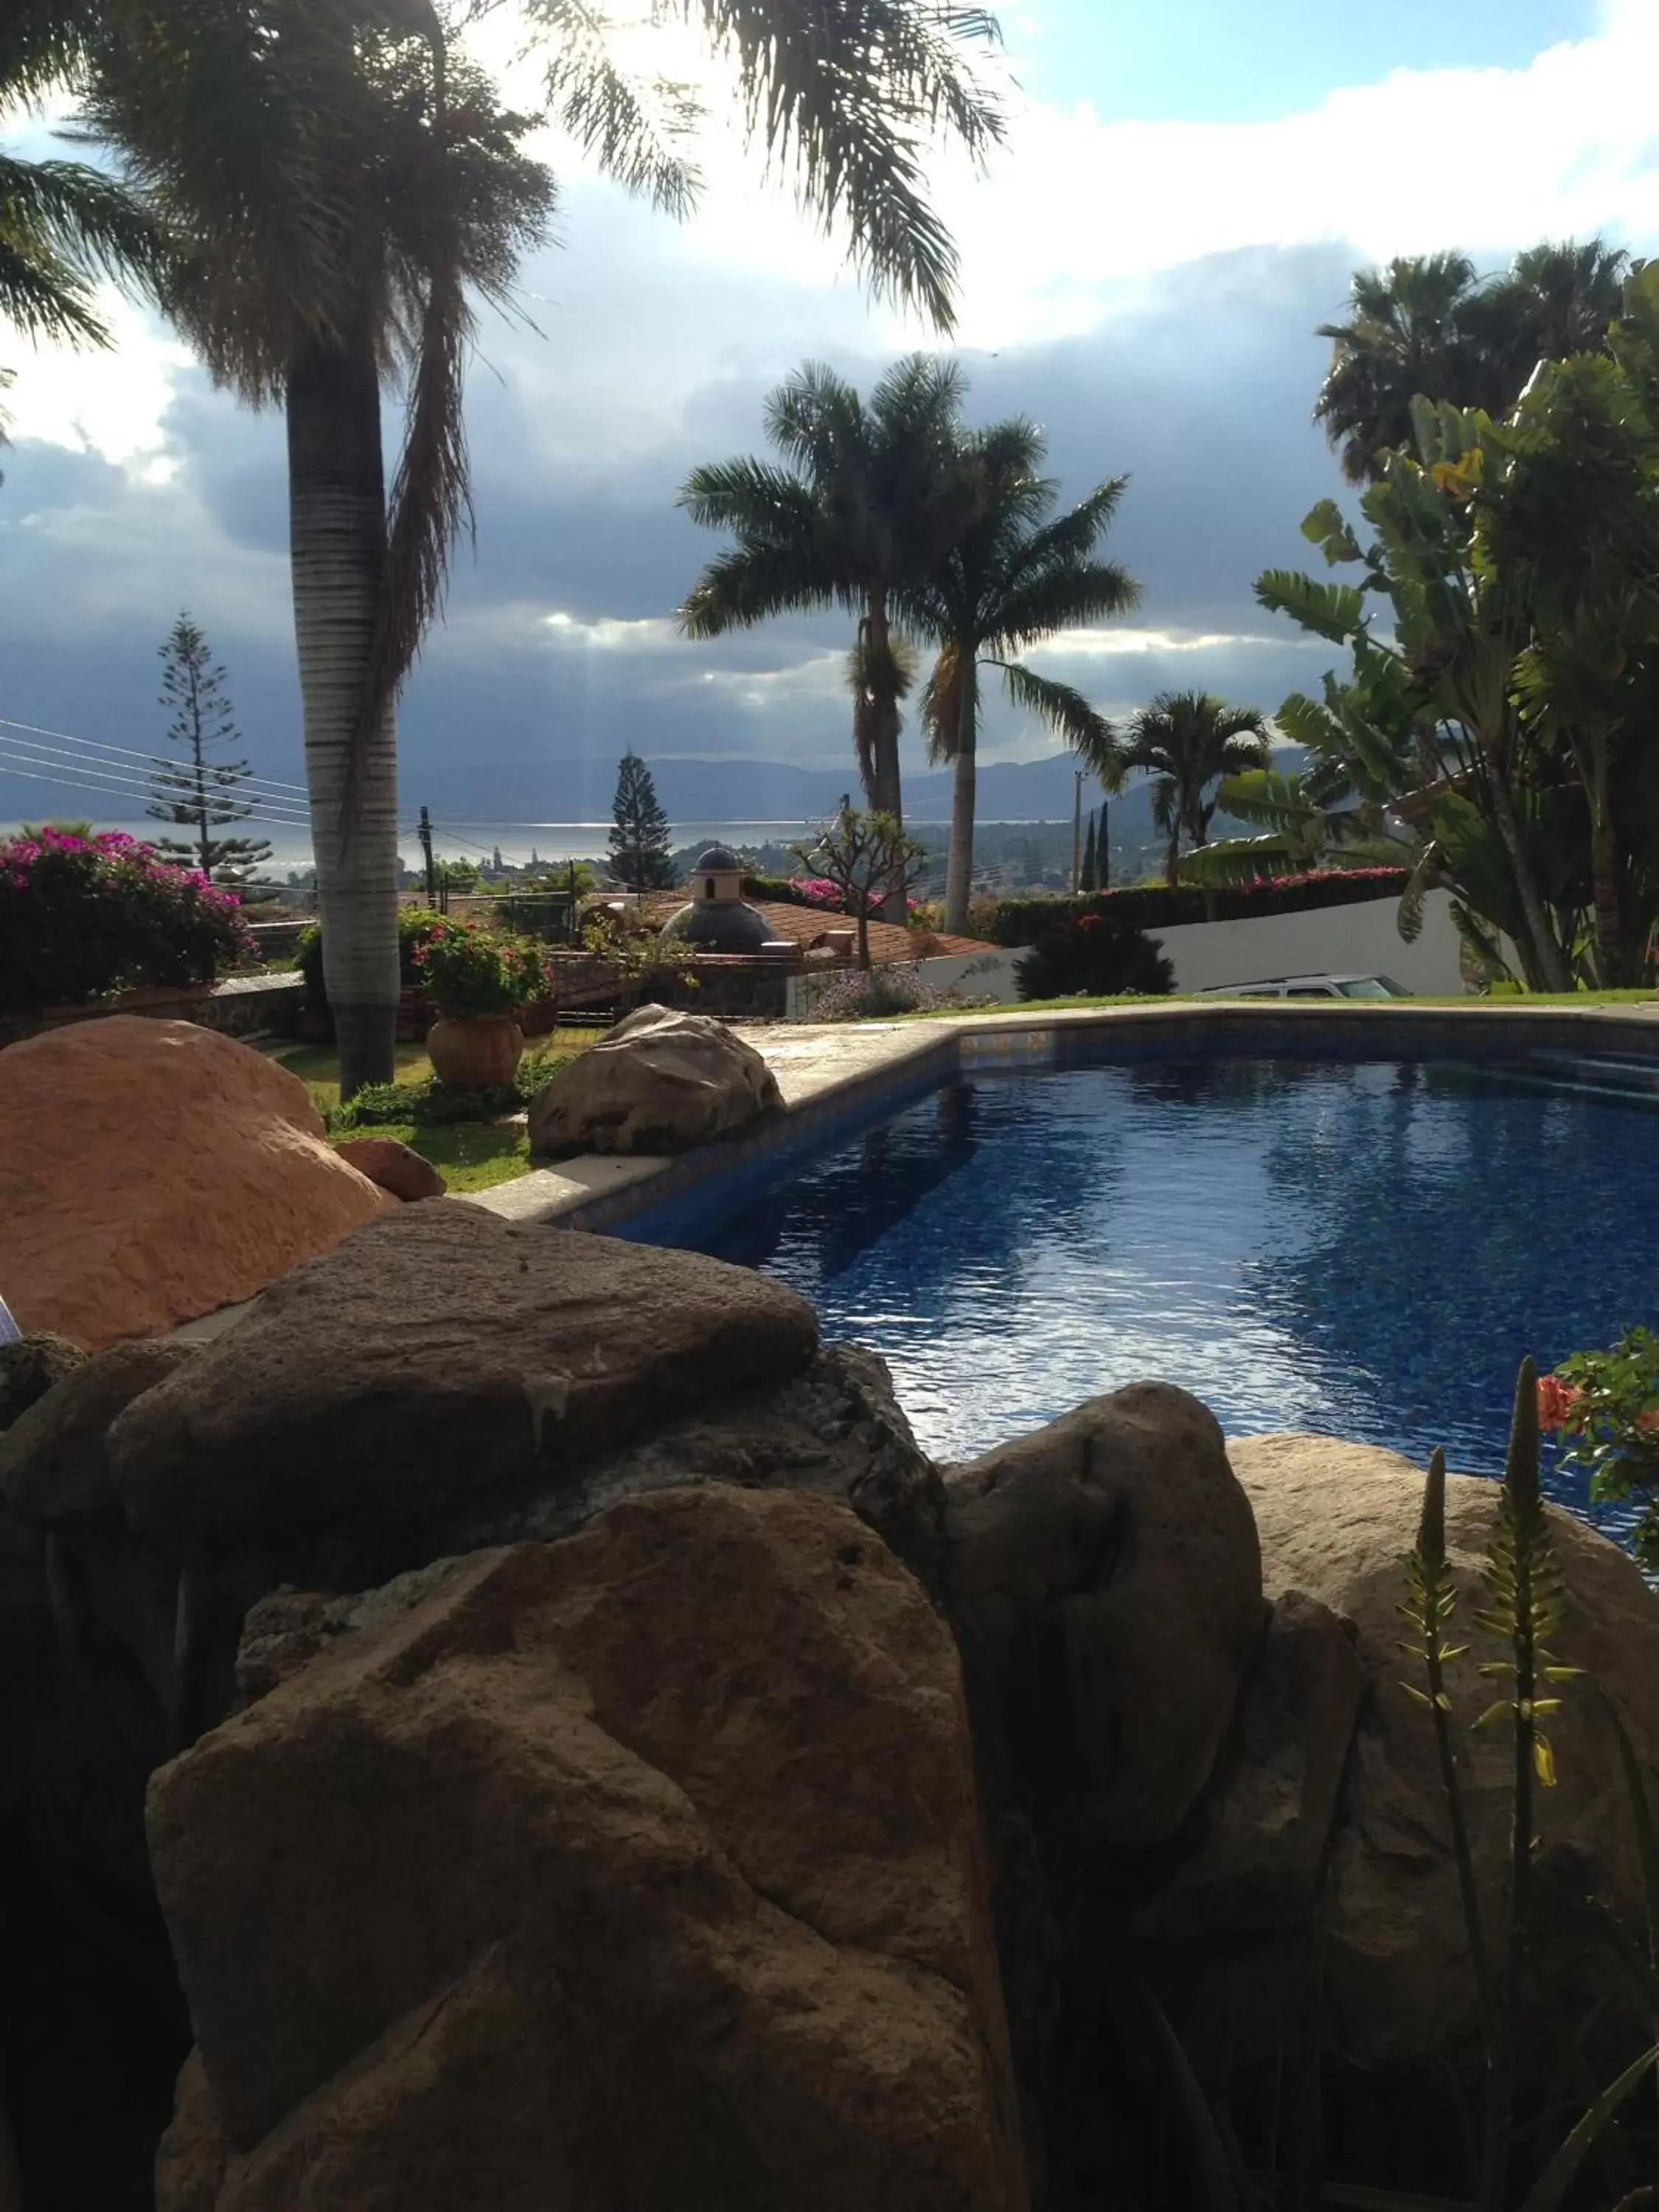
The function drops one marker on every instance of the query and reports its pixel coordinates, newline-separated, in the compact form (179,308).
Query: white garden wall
(1333,940)
(965,976)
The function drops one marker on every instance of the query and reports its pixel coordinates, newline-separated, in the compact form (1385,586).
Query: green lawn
(469,1155)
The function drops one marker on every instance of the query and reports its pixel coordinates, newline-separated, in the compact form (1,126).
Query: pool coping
(833,1075)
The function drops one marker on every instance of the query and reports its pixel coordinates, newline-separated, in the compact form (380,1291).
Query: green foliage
(1525,1594)
(469,972)
(416,924)
(862,855)
(1609,1402)
(432,1104)
(81,917)
(640,837)
(1016,921)
(1095,956)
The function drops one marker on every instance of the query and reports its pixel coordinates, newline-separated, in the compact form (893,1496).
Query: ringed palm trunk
(960,871)
(1548,960)
(881,780)
(338,537)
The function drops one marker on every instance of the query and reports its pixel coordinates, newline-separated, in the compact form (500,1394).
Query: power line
(33,769)
(278,791)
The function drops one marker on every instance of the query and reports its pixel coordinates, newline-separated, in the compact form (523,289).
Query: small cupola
(717,879)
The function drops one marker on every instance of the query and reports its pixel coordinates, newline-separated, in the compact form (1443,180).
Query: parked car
(1311,986)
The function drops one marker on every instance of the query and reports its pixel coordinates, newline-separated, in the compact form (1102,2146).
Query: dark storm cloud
(1197,383)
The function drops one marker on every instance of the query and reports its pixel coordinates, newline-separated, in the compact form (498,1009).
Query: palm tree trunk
(881,772)
(1604,871)
(959,869)
(1548,959)
(337,536)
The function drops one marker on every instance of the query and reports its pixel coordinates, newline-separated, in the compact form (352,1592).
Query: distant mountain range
(735,792)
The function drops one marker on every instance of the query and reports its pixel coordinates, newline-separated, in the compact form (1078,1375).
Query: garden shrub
(81,917)
(861,995)
(468,971)
(1096,956)
(414,926)
(1155,906)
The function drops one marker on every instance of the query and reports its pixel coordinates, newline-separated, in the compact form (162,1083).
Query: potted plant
(478,979)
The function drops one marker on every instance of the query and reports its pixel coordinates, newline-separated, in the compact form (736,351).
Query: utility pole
(425,854)
(1103,853)
(1077,776)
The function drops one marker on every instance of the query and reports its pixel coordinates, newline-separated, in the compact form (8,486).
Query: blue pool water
(1362,1249)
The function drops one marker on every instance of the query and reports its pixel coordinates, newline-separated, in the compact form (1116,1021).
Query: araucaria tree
(197,791)
(873,499)
(640,836)
(1013,579)
(1188,741)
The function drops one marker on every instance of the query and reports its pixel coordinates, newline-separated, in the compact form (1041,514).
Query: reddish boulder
(152,1171)
(396,1168)
(637,1870)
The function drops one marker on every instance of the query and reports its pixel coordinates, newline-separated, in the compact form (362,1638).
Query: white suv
(1311,987)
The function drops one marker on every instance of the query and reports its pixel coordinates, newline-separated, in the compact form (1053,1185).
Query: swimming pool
(1363,1249)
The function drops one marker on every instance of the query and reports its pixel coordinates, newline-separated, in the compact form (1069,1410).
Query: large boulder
(1104,1582)
(29,1366)
(398,1168)
(151,1172)
(636,1870)
(438,1364)
(1337,1521)
(660,1082)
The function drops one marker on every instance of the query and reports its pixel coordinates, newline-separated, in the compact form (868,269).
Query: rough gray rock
(1265,1821)
(437,1358)
(29,1366)
(634,1871)
(657,1083)
(1103,1578)
(53,1465)
(1337,1521)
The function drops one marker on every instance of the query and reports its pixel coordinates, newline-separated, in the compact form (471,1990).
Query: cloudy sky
(1184,191)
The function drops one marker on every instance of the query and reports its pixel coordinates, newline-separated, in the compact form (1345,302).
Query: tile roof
(805,926)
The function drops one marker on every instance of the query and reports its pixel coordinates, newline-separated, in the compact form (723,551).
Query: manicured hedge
(1154,906)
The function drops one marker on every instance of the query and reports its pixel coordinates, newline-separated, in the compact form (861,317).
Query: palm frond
(1336,611)
(1087,732)
(749,585)
(941,703)
(850,95)
(639,130)
(63,225)
(750,498)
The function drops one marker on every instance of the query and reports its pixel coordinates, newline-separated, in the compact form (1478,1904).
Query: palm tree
(874,500)
(1012,579)
(339,210)
(1429,327)
(1188,741)
(339,193)
(1407,332)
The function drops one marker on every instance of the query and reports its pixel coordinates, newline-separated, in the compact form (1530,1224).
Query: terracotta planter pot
(475,1055)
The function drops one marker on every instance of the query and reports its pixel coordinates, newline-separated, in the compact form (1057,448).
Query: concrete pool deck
(831,1071)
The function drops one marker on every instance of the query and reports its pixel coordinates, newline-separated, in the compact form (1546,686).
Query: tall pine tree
(1086,881)
(197,792)
(639,832)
